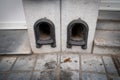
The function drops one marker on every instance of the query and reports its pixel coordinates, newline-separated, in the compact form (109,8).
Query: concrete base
(87,10)
(14,42)
(38,9)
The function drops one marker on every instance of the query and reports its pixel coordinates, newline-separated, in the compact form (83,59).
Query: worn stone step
(108,25)
(14,42)
(106,50)
(107,38)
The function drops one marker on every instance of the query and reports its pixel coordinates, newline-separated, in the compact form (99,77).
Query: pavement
(59,66)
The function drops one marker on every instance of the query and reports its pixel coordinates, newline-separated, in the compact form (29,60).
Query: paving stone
(24,63)
(47,61)
(93,76)
(69,75)
(92,63)
(108,25)
(14,42)
(44,75)
(110,38)
(117,63)
(6,63)
(116,78)
(19,76)
(69,61)
(2,76)
(110,67)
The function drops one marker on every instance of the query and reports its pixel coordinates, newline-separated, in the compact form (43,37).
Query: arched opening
(45,31)
(77,32)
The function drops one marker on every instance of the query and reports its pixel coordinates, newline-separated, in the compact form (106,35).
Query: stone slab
(46,61)
(110,38)
(93,76)
(14,42)
(69,75)
(87,10)
(2,76)
(44,75)
(24,63)
(109,15)
(106,50)
(116,78)
(6,63)
(92,63)
(35,10)
(69,61)
(110,67)
(108,25)
(19,76)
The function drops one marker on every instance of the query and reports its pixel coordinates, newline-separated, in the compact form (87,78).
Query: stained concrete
(44,75)
(48,61)
(69,75)
(93,76)
(19,76)
(92,63)
(2,76)
(24,63)
(69,61)
(6,63)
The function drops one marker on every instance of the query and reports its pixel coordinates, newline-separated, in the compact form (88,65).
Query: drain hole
(44,29)
(77,32)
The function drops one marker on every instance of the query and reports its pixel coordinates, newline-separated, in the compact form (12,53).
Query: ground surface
(59,66)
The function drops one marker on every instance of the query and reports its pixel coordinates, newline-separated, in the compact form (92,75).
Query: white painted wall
(11,11)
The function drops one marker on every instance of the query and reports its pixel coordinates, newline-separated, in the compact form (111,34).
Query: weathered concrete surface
(14,42)
(107,38)
(2,76)
(24,63)
(92,63)
(48,61)
(110,67)
(35,10)
(69,75)
(44,75)
(93,76)
(6,63)
(107,42)
(69,61)
(74,9)
(19,76)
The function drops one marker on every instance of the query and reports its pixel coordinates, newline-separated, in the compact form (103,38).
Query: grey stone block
(2,76)
(109,64)
(69,75)
(24,63)
(44,75)
(6,63)
(93,76)
(19,76)
(46,61)
(14,42)
(69,61)
(92,63)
